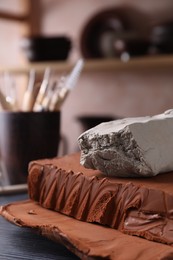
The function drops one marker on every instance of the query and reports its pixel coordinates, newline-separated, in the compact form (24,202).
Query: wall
(70,17)
(118,93)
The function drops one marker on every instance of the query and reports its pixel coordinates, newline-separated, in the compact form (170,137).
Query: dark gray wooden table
(22,243)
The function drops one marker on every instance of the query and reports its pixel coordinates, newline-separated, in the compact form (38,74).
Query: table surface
(22,243)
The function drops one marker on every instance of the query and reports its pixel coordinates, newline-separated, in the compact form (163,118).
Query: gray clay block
(130,147)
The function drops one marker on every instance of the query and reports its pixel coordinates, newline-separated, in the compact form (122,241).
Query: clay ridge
(132,209)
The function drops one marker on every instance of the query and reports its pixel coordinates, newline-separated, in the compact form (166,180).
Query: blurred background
(127,46)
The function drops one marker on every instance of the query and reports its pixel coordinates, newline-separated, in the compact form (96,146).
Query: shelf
(13,17)
(150,62)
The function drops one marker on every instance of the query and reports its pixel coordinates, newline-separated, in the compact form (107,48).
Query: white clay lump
(130,147)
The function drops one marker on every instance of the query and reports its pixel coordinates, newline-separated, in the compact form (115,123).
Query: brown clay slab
(88,241)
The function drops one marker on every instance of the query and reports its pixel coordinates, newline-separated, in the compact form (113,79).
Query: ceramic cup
(26,136)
